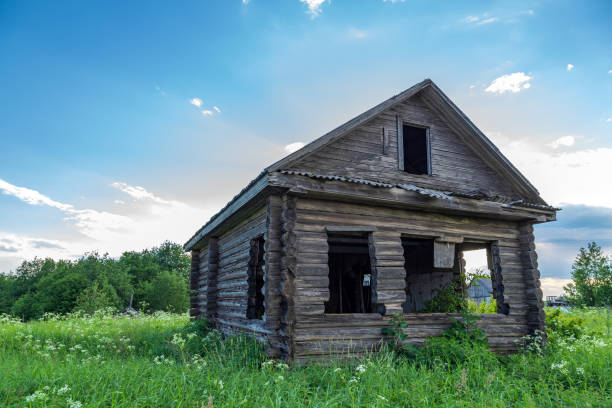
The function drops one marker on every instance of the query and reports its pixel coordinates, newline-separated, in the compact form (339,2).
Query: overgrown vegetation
(157,278)
(163,360)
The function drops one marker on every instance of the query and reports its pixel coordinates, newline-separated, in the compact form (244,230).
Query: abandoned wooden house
(318,252)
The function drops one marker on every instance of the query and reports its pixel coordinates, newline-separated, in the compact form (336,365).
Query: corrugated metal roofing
(443,195)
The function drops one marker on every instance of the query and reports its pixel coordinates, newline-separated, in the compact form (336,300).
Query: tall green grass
(163,360)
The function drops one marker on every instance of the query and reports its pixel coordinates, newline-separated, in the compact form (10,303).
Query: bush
(559,324)
(447,300)
(461,342)
(489,307)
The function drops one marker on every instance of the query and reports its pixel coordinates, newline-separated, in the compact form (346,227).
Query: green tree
(169,292)
(58,291)
(592,278)
(171,257)
(95,297)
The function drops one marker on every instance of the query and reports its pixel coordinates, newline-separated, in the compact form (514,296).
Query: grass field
(165,361)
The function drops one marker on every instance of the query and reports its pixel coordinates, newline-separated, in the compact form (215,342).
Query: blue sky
(126,123)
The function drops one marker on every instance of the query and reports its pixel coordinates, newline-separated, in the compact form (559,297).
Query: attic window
(414,156)
(255,304)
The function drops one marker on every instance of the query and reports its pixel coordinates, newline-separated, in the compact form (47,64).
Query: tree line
(156,279)
(591,278)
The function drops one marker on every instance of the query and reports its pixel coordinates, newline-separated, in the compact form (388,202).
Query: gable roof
(436,100)
(456,119)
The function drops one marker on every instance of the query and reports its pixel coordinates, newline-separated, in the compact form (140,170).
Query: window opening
(423,281)
(256,298)
(479,285)
(350,275)
(473,280)
(415,149)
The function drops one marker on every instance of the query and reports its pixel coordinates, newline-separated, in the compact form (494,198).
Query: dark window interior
(418,255)
(416,157)
(255,306)
(350,279)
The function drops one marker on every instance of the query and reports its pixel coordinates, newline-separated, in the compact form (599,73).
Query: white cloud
(196,102)
(610,71)
(510,83)
(488,20)
(292,147)
(217,109)
(480,20)
(88,222)
(570,67)
(553,286)
(138,193)
(245,1)
(393,1)
(609,120)
(207,112)
(314,6)
(566,177)
(145,222)
(120,202)
(32,197)
(563,141)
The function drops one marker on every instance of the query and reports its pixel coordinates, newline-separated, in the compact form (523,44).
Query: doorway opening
(350,274)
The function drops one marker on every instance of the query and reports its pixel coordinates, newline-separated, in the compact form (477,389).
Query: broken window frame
(493,264)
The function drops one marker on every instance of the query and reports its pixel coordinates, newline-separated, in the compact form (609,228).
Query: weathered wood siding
(365,153)
(272,257)
(315,333)
(199,282)
(232,276)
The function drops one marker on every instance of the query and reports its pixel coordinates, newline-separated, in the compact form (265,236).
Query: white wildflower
(73,404)
(561,367)
(63,390)
(337,370)
(382,398)
(580,370)
(360,368)
(37,396)
(178,340)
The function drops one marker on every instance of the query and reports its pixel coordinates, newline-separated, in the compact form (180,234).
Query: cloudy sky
(128,123)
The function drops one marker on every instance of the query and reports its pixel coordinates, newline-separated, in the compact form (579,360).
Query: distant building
(556,301)
(480,289)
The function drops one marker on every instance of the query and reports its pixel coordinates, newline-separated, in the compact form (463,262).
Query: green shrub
(446,300)
(564,324)
(461,342)
(489,306)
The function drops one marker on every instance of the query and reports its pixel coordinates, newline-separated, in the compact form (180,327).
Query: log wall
(194,277)
(231,278)
(305,265)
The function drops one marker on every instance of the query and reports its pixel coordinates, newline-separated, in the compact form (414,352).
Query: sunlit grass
(164,361)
